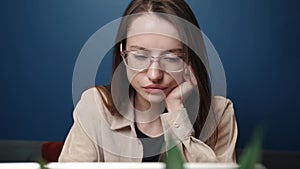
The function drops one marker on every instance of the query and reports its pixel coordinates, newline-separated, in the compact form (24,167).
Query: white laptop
(19,165)
(120,165)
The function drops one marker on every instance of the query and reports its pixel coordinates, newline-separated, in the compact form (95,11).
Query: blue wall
(256,40)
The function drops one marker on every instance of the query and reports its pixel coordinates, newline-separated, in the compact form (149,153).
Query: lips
(153,88)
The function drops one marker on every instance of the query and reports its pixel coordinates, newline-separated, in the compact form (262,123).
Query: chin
(155,98)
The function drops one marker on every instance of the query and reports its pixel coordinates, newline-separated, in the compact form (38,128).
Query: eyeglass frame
(152,59)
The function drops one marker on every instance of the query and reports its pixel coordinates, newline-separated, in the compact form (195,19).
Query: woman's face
(151,35)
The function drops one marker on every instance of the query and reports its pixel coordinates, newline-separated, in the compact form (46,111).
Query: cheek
(133,77)
(130,75)
(176,78)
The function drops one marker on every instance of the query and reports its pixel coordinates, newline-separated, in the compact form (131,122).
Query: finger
(192,77)
(186,89)
(189,76)
(186,75)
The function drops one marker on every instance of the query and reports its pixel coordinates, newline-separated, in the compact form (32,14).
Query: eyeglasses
(140,60)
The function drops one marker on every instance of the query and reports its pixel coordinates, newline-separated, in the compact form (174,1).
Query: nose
(154,73)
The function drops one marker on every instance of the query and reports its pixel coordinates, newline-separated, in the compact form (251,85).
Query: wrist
(174,106)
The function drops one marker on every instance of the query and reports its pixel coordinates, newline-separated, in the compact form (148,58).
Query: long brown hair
(199,66)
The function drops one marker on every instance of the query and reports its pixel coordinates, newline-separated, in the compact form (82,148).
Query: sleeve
(195,150)
(78,146)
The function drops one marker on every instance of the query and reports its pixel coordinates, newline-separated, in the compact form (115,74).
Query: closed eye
(171,59)
(140,57)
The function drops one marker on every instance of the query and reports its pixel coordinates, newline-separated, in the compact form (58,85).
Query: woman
(163,62)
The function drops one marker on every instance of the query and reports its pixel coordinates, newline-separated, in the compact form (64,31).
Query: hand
(174,100)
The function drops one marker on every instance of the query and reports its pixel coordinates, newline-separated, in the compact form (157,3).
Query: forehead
(150,23)
(153,41)
(151,31)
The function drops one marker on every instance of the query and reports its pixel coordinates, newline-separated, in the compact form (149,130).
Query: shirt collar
(126,118)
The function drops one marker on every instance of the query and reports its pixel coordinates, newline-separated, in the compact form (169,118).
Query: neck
(146,112)
(147,116)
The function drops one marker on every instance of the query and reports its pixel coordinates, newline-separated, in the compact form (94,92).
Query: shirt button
(176,125)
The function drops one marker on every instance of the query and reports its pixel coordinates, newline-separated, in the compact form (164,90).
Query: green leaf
(42,163)
(174,158)
(252,153)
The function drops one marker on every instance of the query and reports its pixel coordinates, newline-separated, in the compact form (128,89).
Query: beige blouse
(99,136)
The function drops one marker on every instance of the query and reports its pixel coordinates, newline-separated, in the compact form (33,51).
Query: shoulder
(222,104)
(223,109)
(93,102)
(95,95)
(95,91)
(88,93)
(89,98)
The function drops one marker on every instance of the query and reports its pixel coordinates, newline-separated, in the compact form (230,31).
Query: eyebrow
(138,48)
(175,50)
